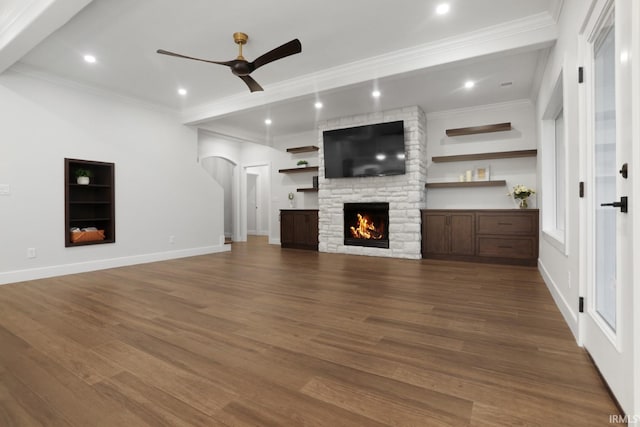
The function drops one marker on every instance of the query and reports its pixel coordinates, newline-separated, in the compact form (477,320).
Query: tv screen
(372,150)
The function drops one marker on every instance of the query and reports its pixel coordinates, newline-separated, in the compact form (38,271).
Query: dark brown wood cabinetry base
(500,236)
(299,229)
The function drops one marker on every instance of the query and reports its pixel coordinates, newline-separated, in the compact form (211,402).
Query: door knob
(622,204)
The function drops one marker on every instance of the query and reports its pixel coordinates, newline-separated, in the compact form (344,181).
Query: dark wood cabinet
(503,236)
(89,205)
(299,229)
(448,233)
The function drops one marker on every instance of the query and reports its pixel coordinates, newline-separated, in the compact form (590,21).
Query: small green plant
(302,163)
(83,172)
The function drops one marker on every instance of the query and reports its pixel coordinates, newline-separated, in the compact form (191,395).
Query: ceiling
(348,48)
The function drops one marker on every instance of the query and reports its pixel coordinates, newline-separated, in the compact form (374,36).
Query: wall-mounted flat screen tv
(372,150)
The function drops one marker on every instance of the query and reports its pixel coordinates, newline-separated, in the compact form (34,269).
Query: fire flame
(365,229)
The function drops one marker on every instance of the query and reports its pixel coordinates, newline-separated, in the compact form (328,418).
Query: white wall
(161,190)
(522,136)
(262,175)
(256,156)
(222,171)
(556,267)
(284,183)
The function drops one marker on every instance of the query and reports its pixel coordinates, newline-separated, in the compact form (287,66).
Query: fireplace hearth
(366,224)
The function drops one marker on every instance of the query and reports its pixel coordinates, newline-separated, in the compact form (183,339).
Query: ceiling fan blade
(166,52)
(253,85)
(287,49)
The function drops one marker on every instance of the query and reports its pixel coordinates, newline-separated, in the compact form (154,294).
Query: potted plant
(303,163)
(83,176)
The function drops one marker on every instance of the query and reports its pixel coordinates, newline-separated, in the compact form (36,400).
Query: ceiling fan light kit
(240,66)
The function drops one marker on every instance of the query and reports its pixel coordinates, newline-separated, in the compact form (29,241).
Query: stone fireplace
(404,194)
(366,224)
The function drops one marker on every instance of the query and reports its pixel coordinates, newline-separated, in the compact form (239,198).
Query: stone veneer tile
(405,194)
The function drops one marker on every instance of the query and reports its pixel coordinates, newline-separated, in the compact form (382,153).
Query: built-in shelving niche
(89,205)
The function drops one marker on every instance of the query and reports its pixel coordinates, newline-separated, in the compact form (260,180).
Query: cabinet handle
(504,223)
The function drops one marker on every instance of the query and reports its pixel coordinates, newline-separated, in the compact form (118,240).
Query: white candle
(468,176)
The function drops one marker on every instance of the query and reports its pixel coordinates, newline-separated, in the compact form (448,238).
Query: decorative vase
(523,204)
(84,180)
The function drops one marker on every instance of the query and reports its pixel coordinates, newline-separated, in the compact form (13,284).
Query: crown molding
(37,73)
(498,106)
(535,31)
(556,9)
(25,27)
(541,66)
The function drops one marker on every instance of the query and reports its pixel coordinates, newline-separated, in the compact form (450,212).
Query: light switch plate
(5,190)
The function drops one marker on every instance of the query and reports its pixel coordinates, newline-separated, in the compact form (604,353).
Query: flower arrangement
(522,193)
(303,163)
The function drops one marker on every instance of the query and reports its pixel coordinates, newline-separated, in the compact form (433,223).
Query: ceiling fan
(241,67)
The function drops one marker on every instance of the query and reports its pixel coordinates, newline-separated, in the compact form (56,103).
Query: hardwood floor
(263,336)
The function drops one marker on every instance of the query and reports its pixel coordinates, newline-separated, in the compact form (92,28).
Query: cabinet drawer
(510,224)
(507,247)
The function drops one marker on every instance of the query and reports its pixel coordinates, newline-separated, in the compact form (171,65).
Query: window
(560,167)
(554,170)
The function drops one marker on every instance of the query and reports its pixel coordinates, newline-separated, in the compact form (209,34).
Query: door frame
(612,352)
(243,197)
(635,193)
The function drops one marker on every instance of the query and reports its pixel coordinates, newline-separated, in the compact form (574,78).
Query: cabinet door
(435,236)
(311,237)
(461,239)
(286,228)
(300,225)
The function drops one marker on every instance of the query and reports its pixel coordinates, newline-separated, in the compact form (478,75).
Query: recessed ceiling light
(90,59)
(443,9)
(381,156)
(267,122)
(318,105)
(400,156)
(376,94)
(469,84)
(182,91)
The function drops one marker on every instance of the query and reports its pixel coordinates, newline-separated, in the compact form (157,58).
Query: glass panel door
(605,175)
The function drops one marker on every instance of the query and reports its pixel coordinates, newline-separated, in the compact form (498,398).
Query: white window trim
(556,238)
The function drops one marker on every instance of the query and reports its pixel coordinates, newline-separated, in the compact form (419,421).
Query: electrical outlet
(31,252)
(172,239)
(5,190)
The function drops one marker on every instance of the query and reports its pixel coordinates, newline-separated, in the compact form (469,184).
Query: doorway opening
(222,170)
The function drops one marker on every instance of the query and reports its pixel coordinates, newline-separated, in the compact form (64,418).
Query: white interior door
(606,326)
(252,204)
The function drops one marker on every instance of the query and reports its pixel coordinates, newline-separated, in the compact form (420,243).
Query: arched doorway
(223,171)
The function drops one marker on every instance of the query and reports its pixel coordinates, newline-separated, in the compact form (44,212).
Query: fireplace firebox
(366,224)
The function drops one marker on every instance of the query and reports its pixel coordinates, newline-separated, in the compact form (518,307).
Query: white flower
(521,192)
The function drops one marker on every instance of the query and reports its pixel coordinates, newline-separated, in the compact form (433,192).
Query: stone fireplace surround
(405,194)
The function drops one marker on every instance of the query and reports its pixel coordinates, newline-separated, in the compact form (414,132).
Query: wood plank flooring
(262,336)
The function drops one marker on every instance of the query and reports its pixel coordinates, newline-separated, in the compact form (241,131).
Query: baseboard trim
(83,267)
(274,241)
(565,308)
